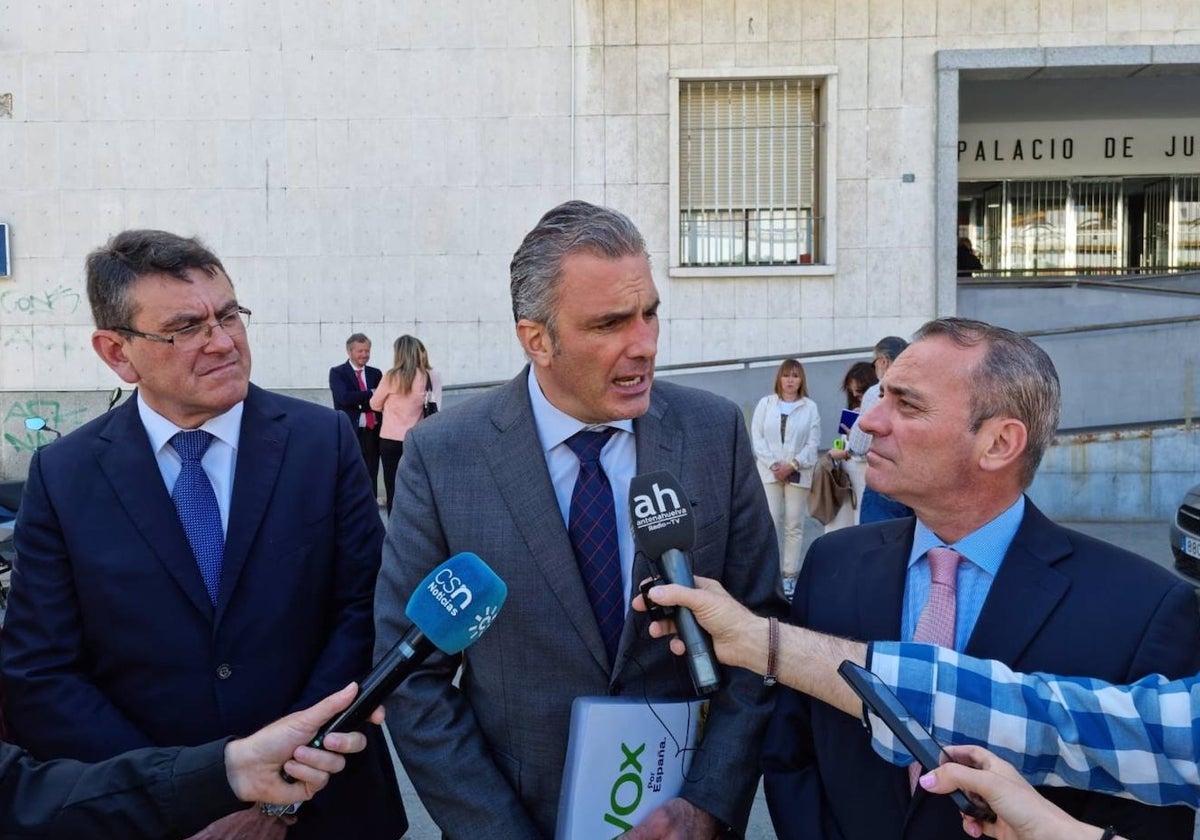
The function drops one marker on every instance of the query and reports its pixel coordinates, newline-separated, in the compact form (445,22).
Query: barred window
(748,179)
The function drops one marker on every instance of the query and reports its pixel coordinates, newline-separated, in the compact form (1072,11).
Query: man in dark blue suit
(967,412)
(169,596)
(352,384)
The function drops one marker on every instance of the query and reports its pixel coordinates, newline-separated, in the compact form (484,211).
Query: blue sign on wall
(4,272)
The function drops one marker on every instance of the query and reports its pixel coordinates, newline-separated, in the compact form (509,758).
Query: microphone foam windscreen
(457,602)
(659,513)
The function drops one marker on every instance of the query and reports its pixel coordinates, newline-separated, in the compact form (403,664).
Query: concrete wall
(371,166)
(1139,375)
(1118,475)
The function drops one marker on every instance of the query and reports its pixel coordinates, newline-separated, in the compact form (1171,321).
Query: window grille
(1091,225)
(748,153)
(1099,227)
(1186,223)
(1157,227)
(1038,224)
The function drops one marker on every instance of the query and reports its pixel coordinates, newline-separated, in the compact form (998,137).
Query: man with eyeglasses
(199,561)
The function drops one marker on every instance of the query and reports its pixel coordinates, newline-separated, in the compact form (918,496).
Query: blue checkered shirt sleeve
(1138,740)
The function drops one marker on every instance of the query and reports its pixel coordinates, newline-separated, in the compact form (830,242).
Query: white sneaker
(789,587)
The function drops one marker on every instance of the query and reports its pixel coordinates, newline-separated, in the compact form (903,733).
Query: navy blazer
(111,642)
(1062,602)
(348,397)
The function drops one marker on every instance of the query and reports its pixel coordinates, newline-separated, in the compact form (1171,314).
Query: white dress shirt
(219,461)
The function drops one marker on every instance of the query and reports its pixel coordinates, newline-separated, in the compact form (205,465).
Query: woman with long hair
(786,430)
(858,379)
(401,396)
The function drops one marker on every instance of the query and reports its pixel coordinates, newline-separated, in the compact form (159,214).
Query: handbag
(428,407)
(830,487)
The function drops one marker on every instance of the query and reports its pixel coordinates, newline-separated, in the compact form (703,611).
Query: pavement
(1148,539)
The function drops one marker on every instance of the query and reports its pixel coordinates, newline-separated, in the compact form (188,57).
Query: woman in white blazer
(786,430)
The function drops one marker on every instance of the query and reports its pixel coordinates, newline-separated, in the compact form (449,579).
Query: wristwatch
(278,810)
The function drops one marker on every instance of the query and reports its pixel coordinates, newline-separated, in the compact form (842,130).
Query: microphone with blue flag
(453,606)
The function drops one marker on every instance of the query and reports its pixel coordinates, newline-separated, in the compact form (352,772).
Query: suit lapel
(518,466)
(1025,592)
(659,446)
(659,440)
(261,445)
(881,605)
(128,463)
(886,564)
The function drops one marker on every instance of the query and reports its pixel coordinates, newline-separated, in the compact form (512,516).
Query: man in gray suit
(501,476)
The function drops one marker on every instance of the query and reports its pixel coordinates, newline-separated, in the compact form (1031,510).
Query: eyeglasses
(197,335)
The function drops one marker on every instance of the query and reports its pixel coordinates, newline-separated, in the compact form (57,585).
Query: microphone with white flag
(663,528)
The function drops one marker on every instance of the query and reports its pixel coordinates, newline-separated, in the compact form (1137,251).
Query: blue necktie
(592,527)
(196,504)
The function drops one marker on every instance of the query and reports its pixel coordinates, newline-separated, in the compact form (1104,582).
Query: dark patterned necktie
(592,526)
(196,504)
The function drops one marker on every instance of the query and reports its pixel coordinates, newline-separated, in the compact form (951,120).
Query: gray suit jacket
(487,757)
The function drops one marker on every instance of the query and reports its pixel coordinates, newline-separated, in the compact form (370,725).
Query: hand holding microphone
(663,529)
(451,608)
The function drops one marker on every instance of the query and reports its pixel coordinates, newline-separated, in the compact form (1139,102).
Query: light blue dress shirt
(984,548)
(618,458)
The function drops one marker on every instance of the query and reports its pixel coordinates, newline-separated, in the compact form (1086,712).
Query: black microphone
(663,529)
(450,610)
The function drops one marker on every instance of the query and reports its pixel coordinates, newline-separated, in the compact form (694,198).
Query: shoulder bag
(429,407)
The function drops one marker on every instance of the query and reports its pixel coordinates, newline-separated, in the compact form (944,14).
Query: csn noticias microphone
(454,605)
(663,529)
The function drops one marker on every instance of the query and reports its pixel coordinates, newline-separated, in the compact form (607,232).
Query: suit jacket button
(224,672)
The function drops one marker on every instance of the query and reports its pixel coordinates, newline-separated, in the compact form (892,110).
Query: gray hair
(113,268)
(357,338)
(536,268)
(890,347)
(1015,378)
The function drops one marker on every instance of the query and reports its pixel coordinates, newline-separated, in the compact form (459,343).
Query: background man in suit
(352,383)
(967,412)
(498,475)
(170,594)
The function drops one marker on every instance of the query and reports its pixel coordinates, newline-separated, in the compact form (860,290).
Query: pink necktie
(936,624)
(362,386)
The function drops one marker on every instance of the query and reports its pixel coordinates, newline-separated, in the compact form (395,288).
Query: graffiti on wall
(61,301)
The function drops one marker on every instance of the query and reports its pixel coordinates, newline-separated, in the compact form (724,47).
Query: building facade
(369,165)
